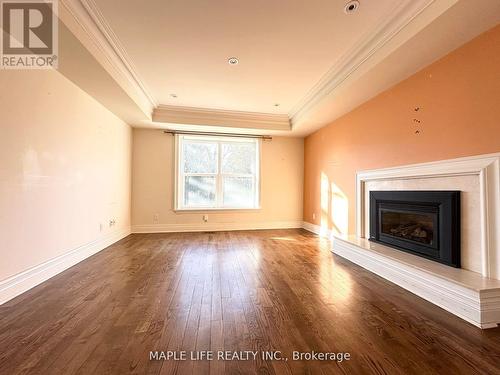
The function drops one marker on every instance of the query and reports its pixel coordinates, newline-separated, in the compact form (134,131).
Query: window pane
(238,157)
(238,192)
(200,157)
(199,191)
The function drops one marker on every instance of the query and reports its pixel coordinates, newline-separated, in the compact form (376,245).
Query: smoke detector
(351,7)
(233,61)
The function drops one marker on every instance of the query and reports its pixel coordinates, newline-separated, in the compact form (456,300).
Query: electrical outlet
(101,227)
(205,218)
(156,218)
(112,222)
(314,216)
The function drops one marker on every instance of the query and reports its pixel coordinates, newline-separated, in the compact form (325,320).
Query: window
(217,172)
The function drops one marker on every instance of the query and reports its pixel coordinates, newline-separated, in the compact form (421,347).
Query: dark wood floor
(258,290)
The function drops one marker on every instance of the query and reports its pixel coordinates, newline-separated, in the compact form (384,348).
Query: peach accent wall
(64,169)
(153,187)
(459,115)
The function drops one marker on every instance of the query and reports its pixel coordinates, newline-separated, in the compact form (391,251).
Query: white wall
(153,185)
(65,169)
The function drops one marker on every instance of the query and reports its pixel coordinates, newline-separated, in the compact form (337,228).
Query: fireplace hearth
(424,223)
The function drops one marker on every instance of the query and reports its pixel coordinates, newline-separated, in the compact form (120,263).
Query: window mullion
(180,179)
(219,174)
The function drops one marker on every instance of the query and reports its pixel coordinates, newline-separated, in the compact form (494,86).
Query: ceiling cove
(399,17)
(218,117)
(88,16)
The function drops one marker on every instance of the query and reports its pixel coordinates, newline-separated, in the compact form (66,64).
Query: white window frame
(219,176)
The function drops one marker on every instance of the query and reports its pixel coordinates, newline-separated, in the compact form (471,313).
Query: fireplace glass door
(419,227)
(424,223)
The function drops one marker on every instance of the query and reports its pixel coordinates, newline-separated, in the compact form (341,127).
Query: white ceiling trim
(399,17)
(219,117)
(87,14)
(91,20)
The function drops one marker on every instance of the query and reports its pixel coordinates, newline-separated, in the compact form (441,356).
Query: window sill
(199,209)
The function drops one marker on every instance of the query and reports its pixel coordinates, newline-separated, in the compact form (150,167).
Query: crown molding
(87,15)
(220,117)
(361,52)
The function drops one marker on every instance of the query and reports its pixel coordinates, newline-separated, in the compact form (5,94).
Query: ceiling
(301,64)
(284,47)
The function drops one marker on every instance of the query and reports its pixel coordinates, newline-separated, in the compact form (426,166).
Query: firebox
(424,223)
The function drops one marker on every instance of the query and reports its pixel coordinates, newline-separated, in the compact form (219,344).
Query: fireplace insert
(424,223)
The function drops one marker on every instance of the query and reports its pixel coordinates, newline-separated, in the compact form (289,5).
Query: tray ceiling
(297,59)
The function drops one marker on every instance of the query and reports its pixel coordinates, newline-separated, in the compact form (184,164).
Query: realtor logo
(29,34)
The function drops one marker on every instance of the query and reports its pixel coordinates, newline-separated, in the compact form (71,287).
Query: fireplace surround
(471,292)
(424,223)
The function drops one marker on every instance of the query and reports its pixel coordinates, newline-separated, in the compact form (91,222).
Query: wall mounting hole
(351,7)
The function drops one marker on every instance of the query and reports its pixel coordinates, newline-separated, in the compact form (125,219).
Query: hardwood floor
(239,291)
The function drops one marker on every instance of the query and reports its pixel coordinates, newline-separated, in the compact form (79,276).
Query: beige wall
(153,184)
(459,114)
(65,168)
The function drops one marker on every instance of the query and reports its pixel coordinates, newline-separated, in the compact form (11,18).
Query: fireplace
(424,223)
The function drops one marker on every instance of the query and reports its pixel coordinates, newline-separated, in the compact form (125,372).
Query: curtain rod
(264,137)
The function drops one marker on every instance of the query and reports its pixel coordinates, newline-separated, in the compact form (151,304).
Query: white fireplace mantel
(473,295)
(485,167)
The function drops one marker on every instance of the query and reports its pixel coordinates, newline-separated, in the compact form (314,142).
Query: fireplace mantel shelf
(464,293)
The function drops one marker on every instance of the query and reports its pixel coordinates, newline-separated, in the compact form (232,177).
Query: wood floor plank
(276,290)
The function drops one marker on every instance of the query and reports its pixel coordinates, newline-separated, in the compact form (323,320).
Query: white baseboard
(477,303)
(316,229)
(214,227)
(23,281)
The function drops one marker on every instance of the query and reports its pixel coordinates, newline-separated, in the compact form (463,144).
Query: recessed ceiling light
(173,95)
(351,7)
(233,61)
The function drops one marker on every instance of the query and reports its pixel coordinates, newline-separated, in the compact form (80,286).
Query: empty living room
(249,187)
